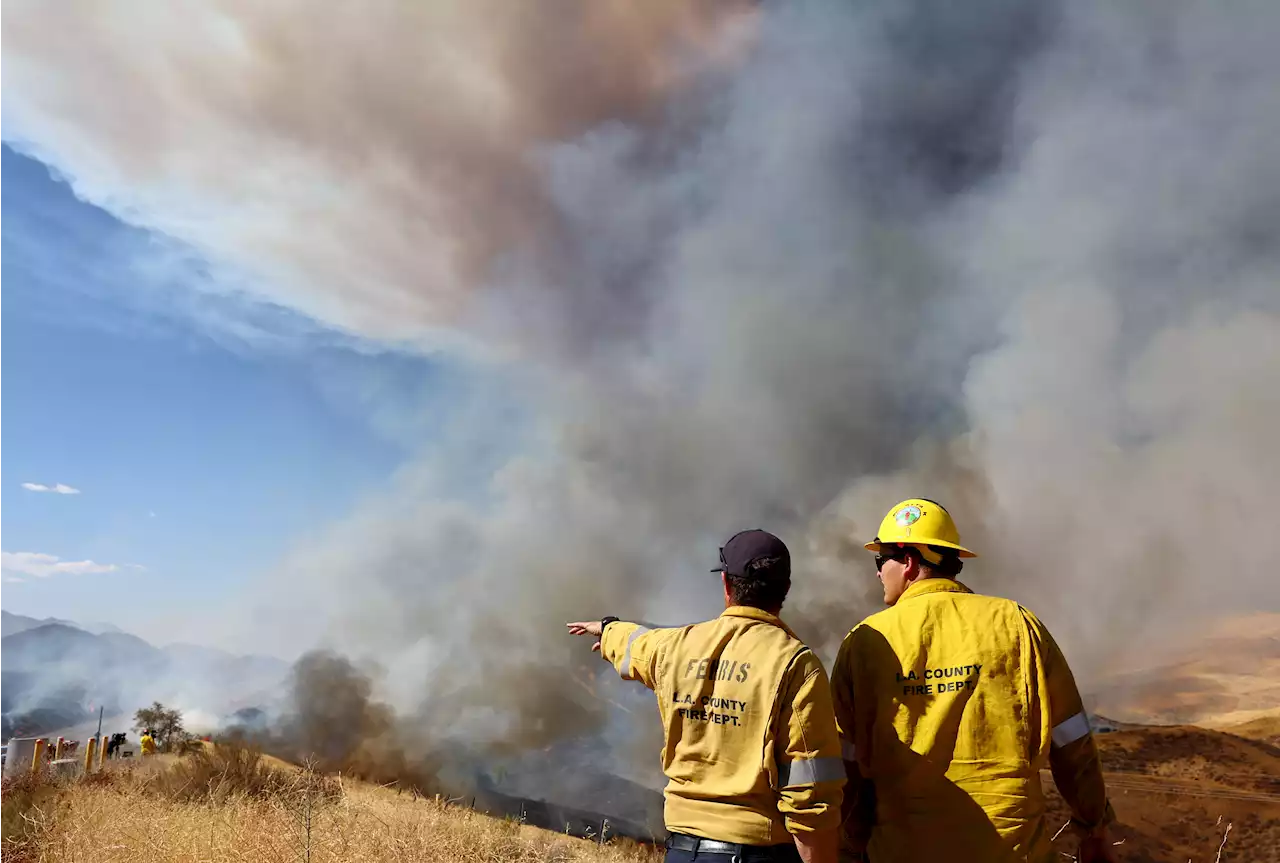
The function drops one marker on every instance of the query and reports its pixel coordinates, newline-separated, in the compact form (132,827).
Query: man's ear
(911,560)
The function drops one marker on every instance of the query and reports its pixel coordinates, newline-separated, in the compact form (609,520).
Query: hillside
(1222,675)
(1176,789)
(12,624)
(1264,727)
(56,674)
(131,816)
(1212,759)
(58,644)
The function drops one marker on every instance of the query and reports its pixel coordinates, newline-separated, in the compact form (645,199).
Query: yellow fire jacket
(949,705)
(750,748)
(147,745)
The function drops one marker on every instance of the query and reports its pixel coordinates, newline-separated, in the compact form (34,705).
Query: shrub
(232,768)
(27,805)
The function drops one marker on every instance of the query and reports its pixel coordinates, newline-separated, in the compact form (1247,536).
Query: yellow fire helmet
(919,522)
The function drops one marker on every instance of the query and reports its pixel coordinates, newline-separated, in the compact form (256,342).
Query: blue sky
(205,434)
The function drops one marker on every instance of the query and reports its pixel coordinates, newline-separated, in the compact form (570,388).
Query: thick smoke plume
(374,163)
(779,265)
(332,720)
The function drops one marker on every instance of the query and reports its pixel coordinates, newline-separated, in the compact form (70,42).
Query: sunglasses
(882,558)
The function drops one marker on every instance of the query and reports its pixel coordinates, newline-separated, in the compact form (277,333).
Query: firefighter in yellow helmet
(750,748)
(949,704)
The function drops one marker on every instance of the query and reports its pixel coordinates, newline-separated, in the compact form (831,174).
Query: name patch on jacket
(717,669)
(933,681)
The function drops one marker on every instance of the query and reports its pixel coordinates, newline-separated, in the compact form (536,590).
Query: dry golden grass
(213,774)
(132,818)
(27,799)
(1176,790)
(1263,726)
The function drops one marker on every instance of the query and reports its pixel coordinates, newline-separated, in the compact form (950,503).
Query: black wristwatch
(605,622)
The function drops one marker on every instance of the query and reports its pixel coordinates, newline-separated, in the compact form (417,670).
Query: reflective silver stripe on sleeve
(626,657)
(809,771)
(848,751)
(1071,730)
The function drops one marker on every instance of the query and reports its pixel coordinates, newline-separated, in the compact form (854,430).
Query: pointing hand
(587,627)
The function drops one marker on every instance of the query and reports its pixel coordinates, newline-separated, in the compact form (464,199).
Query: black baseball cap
(769,554)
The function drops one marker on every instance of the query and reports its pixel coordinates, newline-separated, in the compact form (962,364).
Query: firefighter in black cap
(751,752)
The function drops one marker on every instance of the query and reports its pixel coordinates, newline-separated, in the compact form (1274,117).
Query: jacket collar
(757,614)
(933,585)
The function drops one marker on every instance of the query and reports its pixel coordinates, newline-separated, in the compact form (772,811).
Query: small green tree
(166,723)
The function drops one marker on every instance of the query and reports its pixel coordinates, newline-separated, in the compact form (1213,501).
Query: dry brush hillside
(1223,676)
(161,812)
(1175,789)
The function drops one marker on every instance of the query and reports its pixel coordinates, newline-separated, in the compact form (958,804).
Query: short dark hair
(766,594)
(948,567)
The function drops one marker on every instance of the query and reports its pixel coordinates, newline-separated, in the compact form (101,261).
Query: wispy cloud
(12,579)
(44,565)
(56,488)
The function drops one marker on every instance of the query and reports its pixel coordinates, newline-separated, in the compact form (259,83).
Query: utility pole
(101,707)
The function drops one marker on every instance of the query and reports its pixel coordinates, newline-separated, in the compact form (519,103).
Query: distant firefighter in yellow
(147,746)
(949,704)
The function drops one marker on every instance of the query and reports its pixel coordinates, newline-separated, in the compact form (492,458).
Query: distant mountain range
(12,624)
(57,673)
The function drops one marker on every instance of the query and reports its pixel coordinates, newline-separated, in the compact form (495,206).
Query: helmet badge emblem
(907,516)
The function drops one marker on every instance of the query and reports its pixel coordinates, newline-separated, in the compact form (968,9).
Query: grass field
(166,810)
(1176,790)
(367,824)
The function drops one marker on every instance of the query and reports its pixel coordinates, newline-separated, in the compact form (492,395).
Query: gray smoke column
(780,265)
